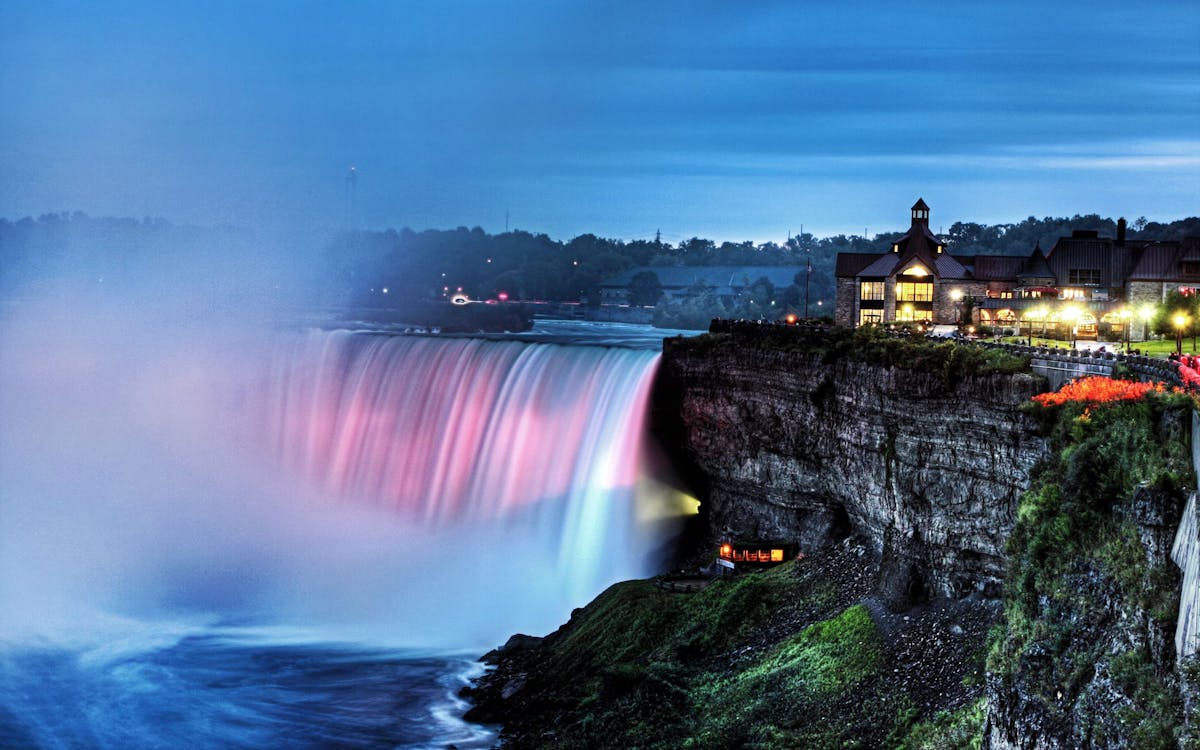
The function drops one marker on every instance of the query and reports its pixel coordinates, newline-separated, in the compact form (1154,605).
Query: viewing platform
(1058,365)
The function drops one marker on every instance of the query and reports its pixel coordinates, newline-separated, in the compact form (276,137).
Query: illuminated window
(872,290)
(909,314)
(1073,294)
(870,317)
(776,555)
(914,291)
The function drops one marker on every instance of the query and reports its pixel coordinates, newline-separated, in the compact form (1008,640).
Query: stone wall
(847,303)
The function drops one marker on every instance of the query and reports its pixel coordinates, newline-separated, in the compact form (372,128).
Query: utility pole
(807,279)
(351,199)
(506,222)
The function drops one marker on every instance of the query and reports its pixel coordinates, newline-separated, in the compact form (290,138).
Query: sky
(725,120)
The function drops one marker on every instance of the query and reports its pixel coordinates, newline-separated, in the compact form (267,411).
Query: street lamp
(957,295)
(1071,314)
(1147,314)
(1180,321)
(1126,315)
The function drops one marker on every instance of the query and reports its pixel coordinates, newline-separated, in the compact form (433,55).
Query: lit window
(914,291)
(1084,276)
(870,317)
(871,290)
(776,555)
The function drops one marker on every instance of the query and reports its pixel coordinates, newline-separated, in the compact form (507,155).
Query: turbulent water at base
(303,544)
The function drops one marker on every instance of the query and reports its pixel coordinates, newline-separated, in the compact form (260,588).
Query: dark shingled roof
(1083,252)
(1157,262)
(998,267)
(1035,266)
(851,264)
(883,265)
(948,267)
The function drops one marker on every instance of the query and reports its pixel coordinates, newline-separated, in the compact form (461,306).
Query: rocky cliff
(802,445)
(1037,536)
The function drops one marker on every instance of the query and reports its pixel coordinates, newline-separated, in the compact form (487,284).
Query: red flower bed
(1191,378)
(1098,390)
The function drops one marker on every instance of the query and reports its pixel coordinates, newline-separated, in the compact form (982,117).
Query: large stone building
(1083,283)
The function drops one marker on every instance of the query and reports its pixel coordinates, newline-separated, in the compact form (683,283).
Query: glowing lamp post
(1180,321)
(957,295)
(1126,316)
(1071,315)
(1043,312)
(1146,314)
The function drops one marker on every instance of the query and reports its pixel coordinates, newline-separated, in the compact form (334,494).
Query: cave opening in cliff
(839,523)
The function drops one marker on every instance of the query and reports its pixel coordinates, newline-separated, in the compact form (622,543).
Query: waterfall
(425,492)
(531,454)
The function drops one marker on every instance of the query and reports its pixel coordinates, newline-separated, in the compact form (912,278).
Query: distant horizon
(711,120)
(333,230)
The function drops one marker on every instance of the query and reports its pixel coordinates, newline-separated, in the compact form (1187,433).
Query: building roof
(949,267)
(852,264)
(882,266)
(997,267)
(1035,266)
(1156,262)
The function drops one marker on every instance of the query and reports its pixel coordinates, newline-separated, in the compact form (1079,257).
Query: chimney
(1121,231)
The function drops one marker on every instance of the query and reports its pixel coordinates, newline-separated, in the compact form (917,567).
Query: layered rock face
(928,469)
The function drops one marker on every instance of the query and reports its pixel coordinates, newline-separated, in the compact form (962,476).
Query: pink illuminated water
(539,442)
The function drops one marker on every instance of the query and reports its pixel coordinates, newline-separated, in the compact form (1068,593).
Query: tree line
(356,267)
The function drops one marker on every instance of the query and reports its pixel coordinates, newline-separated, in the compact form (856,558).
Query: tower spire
(920,213)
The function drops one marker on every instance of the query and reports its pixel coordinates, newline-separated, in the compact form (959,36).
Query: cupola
(920,213)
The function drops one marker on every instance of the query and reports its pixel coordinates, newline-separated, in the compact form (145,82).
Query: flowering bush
(1191,378)
(1098,390)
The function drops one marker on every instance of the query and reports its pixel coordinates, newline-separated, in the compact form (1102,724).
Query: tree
(645,289)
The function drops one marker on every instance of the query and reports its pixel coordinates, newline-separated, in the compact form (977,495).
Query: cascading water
(214,540)
(537,445)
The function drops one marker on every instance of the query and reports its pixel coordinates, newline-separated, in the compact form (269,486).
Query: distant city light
(385,290)
(502,296)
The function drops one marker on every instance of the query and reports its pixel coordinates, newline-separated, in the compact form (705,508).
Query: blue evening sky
(728,120)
